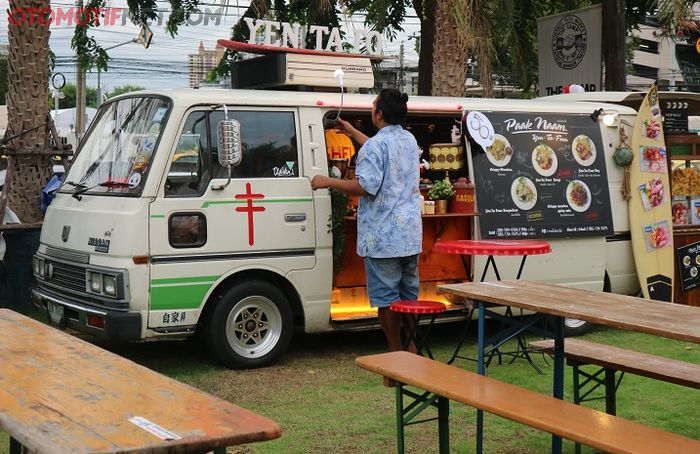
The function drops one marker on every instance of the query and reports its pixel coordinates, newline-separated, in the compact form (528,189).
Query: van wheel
(250,326)
(574,327)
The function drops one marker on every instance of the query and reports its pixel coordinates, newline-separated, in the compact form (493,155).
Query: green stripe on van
(157,216)
(178,297)
(257,201)
(183,280)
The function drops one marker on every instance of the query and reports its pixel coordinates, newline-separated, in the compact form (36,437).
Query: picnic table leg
(399,419)
(444,424)
(610,406)
(482,371)
(558,390)
(15,446)
(219,450)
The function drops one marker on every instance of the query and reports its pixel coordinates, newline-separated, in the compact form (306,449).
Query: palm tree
(27,108)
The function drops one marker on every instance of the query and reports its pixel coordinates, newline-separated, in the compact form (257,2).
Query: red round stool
(414,309)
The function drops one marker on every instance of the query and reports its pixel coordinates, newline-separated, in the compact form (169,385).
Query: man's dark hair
(392,103)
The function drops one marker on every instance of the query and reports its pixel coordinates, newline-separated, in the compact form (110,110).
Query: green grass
(325,404)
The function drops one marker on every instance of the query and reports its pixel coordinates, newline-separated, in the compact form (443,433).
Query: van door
(202,230)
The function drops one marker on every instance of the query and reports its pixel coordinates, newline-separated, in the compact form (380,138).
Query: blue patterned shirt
(389,220)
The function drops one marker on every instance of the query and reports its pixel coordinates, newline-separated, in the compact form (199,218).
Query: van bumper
(117,326)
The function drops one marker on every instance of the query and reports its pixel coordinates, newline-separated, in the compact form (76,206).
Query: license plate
(55,312)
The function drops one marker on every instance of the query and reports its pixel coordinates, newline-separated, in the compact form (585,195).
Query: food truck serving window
(116,155)
(543,177)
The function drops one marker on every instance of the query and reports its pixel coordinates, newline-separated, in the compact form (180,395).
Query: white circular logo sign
(569,41)
(480,128)
(134,180)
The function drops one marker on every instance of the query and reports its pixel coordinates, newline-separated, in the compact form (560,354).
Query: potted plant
(441,192)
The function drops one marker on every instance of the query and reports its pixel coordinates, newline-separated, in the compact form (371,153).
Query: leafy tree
(69,100)
(122,89)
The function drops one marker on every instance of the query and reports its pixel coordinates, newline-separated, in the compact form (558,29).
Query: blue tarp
(49,191)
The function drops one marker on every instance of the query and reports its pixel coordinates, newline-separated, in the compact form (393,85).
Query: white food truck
(162,229)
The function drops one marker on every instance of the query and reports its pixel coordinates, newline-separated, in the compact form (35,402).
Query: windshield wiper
(74,184)
(81,189)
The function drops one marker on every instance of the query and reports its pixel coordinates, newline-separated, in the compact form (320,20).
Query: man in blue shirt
(389,224)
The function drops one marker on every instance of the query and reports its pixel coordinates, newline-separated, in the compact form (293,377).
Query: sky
(164,63)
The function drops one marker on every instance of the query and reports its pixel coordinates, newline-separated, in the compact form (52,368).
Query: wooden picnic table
(59,394)
(618,311)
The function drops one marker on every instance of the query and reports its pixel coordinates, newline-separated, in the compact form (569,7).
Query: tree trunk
(425,9)
(614,48)
(450,53)
(28,106)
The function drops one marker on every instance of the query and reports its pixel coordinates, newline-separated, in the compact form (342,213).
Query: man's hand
(350,130)
(320,182)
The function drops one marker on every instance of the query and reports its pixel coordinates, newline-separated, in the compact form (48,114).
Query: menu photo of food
(578,195)
(680,212)
(653,193)
(657,236)
(524,193)
(544,160)
(652,129)
(583,149)
(653,158)
(695,210)
(500,152)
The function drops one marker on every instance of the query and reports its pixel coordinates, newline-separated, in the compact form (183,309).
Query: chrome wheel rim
(253,327)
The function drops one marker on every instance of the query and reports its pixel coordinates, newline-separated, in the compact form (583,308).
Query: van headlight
(103,283)
(38,267)
(109,285)
(94,282)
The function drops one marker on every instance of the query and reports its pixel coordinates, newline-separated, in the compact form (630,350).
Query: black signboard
(689,265)
(675,116)
(544,177)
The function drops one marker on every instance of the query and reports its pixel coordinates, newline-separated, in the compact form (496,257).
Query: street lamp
(145,36)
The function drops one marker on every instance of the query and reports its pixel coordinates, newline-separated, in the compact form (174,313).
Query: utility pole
(80,98)
(402,77)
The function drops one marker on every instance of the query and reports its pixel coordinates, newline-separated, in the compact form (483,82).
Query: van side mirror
(229,138)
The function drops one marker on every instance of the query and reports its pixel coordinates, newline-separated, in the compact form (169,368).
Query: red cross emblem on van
(250,209)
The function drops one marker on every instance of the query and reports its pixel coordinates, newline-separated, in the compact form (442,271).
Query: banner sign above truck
(543,177)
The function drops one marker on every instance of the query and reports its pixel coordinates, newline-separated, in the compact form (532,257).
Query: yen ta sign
(480,128)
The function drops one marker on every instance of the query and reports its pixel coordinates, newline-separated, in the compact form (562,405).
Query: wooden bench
(611,359)
(443,382)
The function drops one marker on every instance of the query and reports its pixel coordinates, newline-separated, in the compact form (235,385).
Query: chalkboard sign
(543,177)
(689,265)
(676,116)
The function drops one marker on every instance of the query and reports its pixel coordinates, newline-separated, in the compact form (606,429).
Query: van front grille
(69,256)
(68,276)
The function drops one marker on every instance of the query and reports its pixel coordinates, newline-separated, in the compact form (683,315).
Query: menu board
(689,265)
(543,177)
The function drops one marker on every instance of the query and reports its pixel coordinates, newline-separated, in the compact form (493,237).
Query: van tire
(574,327)
(250,326)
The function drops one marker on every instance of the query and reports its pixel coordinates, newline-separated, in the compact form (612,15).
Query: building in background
(202,62)
(674,63)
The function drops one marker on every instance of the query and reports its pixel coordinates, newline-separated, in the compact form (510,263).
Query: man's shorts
(392,279)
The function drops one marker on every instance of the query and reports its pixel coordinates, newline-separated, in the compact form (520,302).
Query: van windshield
(116,155)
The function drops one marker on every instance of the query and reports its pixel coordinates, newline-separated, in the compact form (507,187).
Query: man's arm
(350,187)
(350,130)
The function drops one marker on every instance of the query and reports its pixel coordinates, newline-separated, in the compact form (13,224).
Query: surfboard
(251,48)
(651,225)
